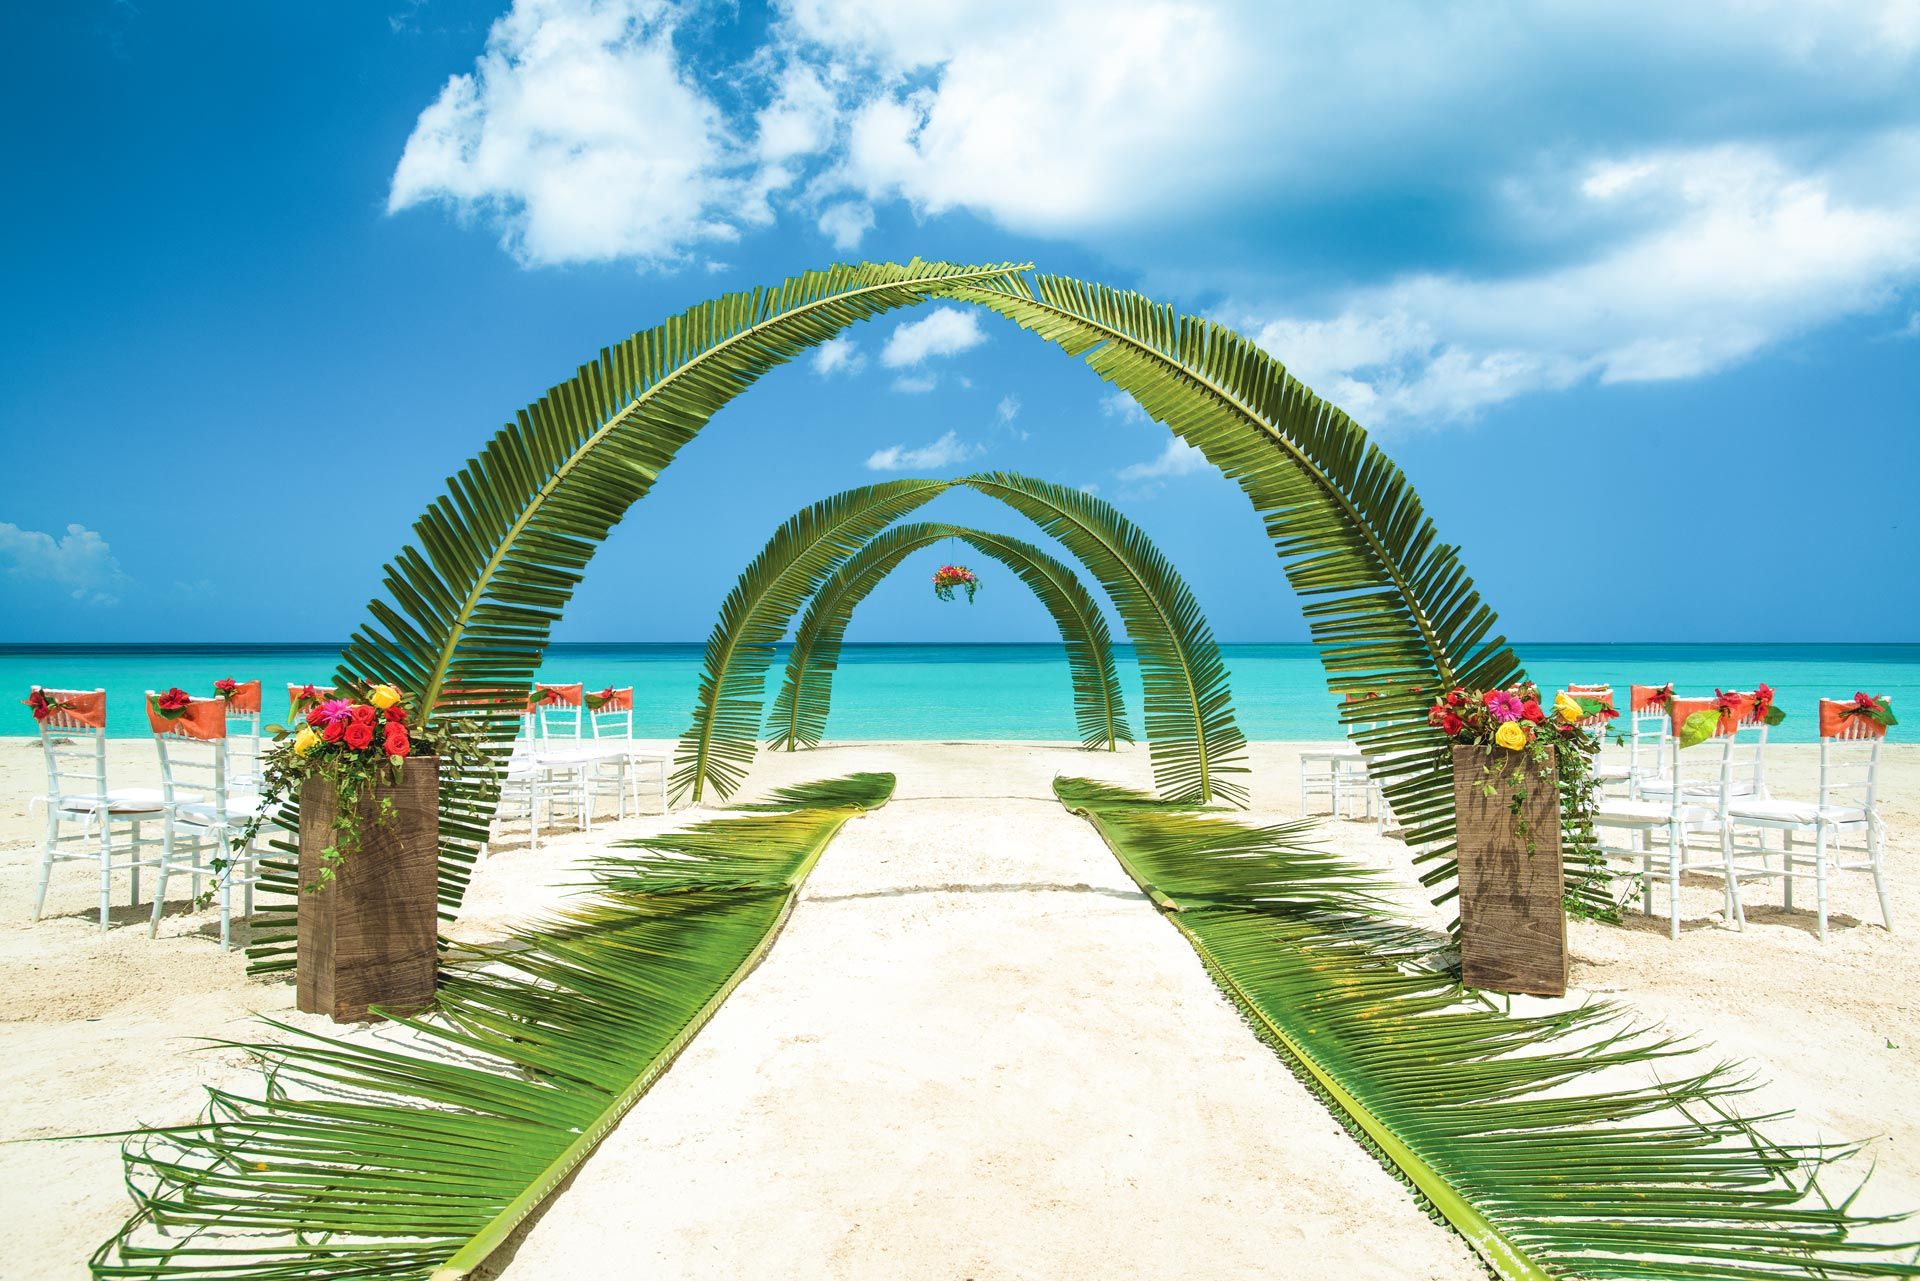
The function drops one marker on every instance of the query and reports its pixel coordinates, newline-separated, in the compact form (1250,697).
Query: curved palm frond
(416,1156)
(1392,609)
(469,605)
(1196,744)
(1549,1141)
(718,747)
(799,715)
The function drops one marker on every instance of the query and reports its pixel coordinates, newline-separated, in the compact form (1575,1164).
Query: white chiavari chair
(1652,836)
(612,724)
(1846,805)
(207,817)
(244,744)
(87,821)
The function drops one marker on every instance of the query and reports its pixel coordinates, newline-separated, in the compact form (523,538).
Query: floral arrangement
(597,699)
(949,577)
(1661,698)
(42,707)
(1878,709)
(540,696)
(356,738)
(1515,720)
(224,687)
(171,705)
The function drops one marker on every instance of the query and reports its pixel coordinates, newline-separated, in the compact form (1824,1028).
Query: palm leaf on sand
(1560,1145)
(415,1156)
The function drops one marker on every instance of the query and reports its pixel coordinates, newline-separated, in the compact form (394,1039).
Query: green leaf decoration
(1390,606)
(718,747)
(1698,728)
(1198,750)
(1569,1144)
(416,1157)
(1774,714)
(1589,706)
(799,716)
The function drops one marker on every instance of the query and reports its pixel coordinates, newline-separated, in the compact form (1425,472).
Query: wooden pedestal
(367,937)
(1513,930)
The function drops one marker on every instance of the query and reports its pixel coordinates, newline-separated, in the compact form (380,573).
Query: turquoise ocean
(930,691)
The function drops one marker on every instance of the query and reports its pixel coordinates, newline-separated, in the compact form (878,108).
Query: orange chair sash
(85,708)
(1836,723)
(1644,698)
(1682,708)
(558,695)
(204,719)
(246,698)
(619,700)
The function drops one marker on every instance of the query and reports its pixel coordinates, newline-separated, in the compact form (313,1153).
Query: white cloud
(916,384)
(944,452)
(838,356)
(1008,409)
(1177,459)
(78,562)
(1734,252)
(846,223)
(1911,329)
(1123,406)
(944,331)
(581,137)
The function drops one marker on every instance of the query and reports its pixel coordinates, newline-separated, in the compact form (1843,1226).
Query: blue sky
(1631,291)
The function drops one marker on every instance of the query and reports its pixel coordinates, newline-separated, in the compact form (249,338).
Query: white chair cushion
(133,800)
(1804,813)
(241,806)
(1618,813)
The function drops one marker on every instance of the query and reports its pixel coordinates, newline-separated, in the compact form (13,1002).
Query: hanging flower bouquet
(224,687)
(949,577)
(595,700)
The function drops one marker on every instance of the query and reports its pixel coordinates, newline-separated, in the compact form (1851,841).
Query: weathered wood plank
(368,937)
(1513,930)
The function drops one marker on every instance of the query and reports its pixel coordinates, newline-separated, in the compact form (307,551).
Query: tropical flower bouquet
(1515,719)
(1875,708)
(948,578)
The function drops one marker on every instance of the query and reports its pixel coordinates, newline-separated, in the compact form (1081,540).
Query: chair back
(73,739)
(194,765)
(1849,756)
(1603,694)
(561,709)
(613,718)
(243,730)
(1703,773)
(1650,734)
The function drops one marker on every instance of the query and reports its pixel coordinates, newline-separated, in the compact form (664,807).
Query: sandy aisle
(976,1052)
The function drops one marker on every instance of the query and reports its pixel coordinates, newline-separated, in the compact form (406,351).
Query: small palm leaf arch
(467,608)
(799,715)
(1197,748)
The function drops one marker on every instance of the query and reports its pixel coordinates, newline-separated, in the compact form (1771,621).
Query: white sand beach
(976,1051)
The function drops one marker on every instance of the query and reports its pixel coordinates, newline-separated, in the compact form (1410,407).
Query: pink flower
(1505,706)
(335,709)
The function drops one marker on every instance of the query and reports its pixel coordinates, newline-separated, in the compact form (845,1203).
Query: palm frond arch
(469,606)
(1196,745)
(799,714)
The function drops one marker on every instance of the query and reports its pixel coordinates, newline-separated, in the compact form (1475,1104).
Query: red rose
(1456,698)
(396,715)
(1451,723)
(364,714)
(314,717)
(396,740)
(359,735)
(1531,710)
(333,731)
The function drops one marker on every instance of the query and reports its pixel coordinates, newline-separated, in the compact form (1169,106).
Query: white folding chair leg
(46,860)
(1876,853)
(1820,873)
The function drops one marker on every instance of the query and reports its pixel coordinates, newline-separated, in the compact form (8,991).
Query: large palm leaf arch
(471,602)
(1198,750)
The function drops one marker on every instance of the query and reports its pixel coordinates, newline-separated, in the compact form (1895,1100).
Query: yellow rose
(1511,736)
(306,740)
(1568,707)
(383,696)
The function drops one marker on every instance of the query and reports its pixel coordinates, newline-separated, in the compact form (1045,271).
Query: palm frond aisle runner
(1555,1144)
(370,1159)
